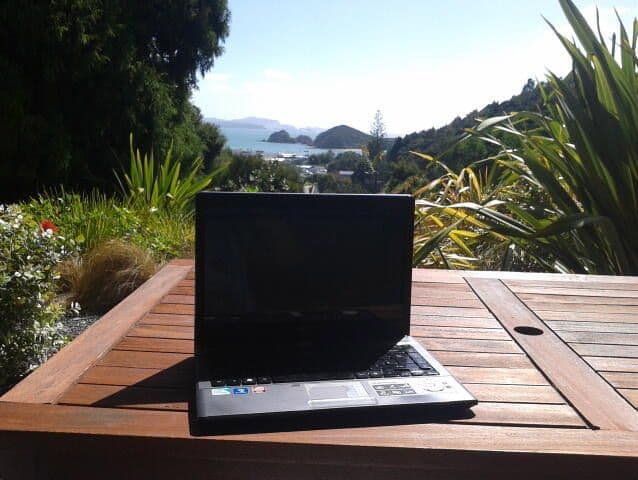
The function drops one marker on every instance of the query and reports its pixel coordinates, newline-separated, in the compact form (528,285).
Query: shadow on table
(173,389)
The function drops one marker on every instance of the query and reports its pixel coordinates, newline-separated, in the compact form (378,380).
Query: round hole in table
(526,330)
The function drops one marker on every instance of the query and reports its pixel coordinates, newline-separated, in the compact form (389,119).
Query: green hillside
(439,141)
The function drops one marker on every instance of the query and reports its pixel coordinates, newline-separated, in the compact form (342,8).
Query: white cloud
(410,98)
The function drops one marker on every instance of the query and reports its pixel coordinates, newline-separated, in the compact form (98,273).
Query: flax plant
(163,185)
(582,152)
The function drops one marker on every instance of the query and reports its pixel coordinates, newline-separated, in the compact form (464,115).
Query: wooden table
(554,405)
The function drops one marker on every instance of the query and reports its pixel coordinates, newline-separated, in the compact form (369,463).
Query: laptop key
(365,374)
(218,383)
(416,372)
(233,381)
(248,381)
(376,374)
(264,380)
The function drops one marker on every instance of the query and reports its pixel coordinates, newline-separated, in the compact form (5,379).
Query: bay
(251,140)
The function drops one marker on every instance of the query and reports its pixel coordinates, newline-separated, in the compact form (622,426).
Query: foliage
(331,183)
(151,184)
(93,218)
(321,158)
(253,173)
(79,75)
(448,237)
(28,256)
(344,161)
(582,154)
(443,143)
(107,274)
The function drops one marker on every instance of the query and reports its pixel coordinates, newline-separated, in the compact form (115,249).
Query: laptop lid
(301,281)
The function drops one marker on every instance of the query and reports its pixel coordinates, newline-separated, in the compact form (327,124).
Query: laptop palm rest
(329,395)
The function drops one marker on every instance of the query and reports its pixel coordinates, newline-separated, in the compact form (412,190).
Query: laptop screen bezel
(399,206)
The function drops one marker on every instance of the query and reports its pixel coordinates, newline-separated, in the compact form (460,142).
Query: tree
(376,144)
(78,76)
(376,147)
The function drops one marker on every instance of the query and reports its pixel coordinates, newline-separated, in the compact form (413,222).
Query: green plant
(107,274)
(163,185)
(93,218)
(29,253)
(447,236)
(583,154)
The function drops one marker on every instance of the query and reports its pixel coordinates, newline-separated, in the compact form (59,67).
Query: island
(282,136)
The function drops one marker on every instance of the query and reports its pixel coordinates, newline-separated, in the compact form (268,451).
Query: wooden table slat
(584,389)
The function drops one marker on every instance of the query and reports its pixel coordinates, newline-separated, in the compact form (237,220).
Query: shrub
(581,153)
(29,254)
(107,274)
(584,154)
(92,219)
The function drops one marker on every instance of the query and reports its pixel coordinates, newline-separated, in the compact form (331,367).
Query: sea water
(253,140)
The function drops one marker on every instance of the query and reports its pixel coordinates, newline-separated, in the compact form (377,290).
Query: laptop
(302,307)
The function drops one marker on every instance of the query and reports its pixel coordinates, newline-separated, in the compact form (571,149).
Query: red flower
(48,225)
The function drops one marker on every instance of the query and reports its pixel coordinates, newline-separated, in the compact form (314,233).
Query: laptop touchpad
(337,394)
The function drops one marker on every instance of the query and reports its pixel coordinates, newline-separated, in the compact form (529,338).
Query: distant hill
(438,141)
(341,136)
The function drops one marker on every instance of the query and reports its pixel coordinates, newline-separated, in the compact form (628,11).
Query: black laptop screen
(291,269)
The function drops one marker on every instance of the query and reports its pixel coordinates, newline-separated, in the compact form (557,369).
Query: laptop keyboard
(399,361)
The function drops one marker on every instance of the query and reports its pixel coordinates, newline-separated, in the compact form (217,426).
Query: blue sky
(421,62)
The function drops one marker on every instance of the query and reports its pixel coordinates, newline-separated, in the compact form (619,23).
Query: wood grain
(120,423)
(584,389)
(451,311)
(487,392)
(143,344)
(162,331)
(465,322)
(629,352)
(501,413)
(53,378)
(601,338)
(611,364)
(621,379)
(155,360)
(481,359)
(174,308)
(585,290)
(503,376)
(543,299)
(167,319)
(609,327)
(459,332)
(587,316)
(630,395)
(465,345)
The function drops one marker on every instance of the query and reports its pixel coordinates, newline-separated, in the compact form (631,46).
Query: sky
(323,63)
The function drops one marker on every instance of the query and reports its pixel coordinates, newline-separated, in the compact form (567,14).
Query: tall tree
(376,145)
(79,75)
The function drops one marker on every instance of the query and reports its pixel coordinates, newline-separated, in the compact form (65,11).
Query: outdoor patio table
(552,359)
